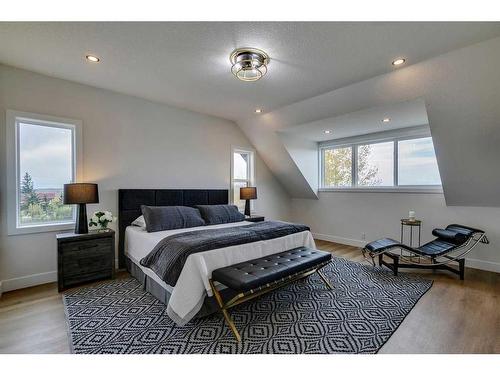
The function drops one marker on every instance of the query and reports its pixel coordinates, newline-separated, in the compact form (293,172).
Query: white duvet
(192,286)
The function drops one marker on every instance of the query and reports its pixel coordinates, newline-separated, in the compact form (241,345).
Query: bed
(191,296)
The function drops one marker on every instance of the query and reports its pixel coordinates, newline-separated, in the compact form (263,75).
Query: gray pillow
(220,214)
(159,218)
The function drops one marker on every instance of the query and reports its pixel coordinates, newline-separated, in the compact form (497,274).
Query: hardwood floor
(453,317)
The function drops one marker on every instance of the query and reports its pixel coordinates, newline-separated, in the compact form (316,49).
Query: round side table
(411,224)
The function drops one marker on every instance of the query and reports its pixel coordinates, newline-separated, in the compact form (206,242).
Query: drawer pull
(83,247)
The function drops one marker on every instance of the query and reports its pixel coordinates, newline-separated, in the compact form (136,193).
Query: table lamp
(81,194)
(247,193)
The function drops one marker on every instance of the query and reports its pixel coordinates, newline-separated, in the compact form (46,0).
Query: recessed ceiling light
(387,119)
(258,110)
(92,58)
(398,61)
(327,131)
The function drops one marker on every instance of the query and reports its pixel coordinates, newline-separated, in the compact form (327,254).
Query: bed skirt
(160,293)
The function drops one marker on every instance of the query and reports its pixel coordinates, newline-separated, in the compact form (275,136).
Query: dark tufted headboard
(130,201)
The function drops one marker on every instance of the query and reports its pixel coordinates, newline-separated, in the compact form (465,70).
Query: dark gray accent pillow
(159,218)
(220,214)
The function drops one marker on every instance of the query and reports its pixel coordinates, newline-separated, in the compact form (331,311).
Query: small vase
(103,226)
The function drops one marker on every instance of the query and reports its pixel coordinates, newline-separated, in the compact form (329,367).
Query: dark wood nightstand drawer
(85,261)
(85,257)
(255,218)
(80,248)
(70,280)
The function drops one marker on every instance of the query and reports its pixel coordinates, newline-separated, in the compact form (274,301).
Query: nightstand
(255,218)
(85,257)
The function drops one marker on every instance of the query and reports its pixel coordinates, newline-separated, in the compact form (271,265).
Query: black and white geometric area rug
(365,308)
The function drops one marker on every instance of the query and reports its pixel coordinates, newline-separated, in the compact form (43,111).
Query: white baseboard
(483,265)
(27,281)
(30,280)
(472,263)
(341,240)
(49,277)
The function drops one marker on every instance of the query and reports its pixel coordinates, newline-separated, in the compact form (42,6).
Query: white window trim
(251,167)
(12,146)
(391,136)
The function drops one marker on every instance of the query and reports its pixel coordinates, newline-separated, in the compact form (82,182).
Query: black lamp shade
(81,193)
(248,193)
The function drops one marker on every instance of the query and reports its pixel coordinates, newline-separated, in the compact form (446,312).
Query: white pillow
(139,222)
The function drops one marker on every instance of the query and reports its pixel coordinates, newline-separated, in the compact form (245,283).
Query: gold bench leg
(325,280)
(228,319)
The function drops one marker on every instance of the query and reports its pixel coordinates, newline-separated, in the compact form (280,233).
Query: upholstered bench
(258,276)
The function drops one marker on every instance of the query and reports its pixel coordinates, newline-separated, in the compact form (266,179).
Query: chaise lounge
(450,245)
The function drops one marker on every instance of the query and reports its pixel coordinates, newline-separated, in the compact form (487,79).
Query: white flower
(101,218)
(107,216)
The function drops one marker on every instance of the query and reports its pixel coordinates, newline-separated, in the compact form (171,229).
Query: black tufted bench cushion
(255,273)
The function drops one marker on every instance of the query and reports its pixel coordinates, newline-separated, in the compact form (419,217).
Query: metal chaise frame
(253,293)
(439,261)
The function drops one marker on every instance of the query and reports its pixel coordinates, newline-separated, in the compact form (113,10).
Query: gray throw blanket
(169,255)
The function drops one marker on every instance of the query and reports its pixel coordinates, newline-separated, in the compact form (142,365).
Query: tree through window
(45,159)
(390,163)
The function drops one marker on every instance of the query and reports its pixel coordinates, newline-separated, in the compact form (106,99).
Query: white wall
(128,142)
(344,216)
(461,91)
(304,153)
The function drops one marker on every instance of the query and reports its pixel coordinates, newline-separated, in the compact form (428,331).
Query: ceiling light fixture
(258,110)
(93,58)
(249,64)
(387,119)
(327,131)
(399,61)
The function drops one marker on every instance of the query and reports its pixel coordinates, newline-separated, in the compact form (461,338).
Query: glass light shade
(251,74)
(249,65)
(248,70)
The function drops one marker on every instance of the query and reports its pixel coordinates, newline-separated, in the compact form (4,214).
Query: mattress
(192,287)
(139,243)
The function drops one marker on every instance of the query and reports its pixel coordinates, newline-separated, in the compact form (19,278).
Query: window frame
(13,118)
(250,181)
(395,137)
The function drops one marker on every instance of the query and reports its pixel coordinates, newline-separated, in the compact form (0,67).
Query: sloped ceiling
(318,71)
(367,121)
(461,90)
(186,64)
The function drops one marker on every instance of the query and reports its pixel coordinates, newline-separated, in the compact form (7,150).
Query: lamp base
(81,226)
(247,207)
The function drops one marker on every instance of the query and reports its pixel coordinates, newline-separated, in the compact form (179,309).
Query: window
(42,160)
(338,167)
(388,162)
(242,173)
(375,164)
(417,163)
